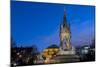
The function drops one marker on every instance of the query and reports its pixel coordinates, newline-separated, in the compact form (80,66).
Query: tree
(13,44)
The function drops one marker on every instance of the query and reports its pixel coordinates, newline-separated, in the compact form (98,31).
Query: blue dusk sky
(34,23)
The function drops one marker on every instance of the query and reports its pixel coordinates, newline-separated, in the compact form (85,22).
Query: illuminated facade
(49,53)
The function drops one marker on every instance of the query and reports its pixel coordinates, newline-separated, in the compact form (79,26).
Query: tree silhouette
(13,44)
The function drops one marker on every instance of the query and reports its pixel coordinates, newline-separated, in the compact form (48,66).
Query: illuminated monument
(65,52)
(65,34)
(65,37)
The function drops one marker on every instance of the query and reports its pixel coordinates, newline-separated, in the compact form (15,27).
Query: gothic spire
(64,19)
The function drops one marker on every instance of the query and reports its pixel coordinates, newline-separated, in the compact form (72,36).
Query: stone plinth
(65,56)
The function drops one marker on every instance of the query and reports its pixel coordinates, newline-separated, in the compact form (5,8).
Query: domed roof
(53,46)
